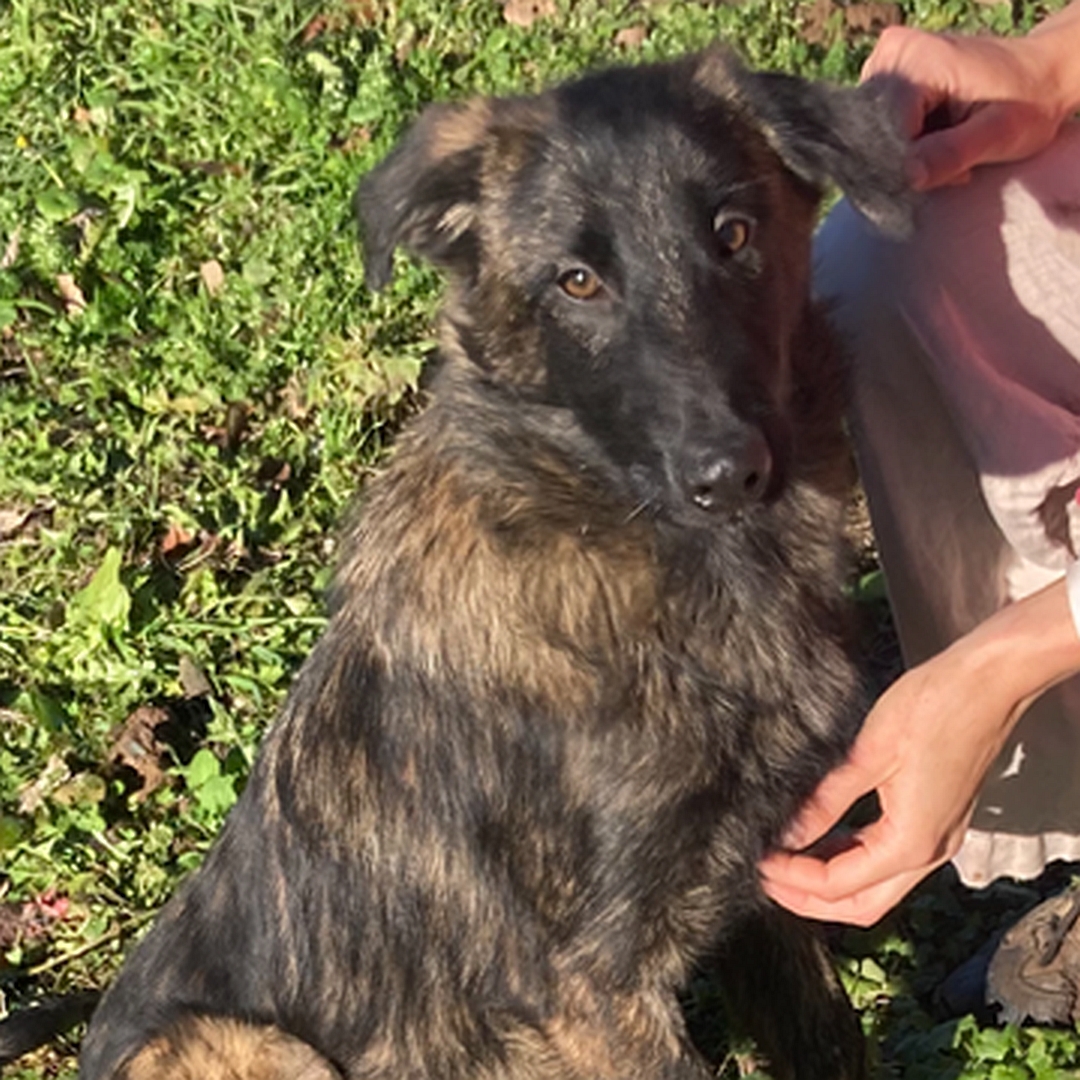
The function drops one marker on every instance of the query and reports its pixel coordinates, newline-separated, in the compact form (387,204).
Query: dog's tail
(30,1028)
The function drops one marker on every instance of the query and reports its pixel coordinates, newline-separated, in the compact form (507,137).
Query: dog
(588,649)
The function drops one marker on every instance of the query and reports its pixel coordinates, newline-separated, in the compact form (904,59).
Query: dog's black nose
(728,478)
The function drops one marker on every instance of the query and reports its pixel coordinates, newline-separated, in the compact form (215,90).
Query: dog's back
(588,650)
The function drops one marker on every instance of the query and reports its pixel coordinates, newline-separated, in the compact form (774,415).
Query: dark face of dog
(634,248)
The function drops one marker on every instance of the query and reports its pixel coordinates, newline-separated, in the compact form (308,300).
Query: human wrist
(1024,648)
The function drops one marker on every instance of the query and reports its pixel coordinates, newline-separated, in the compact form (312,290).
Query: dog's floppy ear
(424,195)
(849,136)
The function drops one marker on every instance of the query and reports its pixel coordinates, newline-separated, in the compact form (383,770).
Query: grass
(193,383)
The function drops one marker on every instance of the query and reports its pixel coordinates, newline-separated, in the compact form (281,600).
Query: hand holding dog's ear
(968,101)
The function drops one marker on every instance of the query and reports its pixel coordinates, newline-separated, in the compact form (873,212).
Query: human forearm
(1024,648)
(1055,44)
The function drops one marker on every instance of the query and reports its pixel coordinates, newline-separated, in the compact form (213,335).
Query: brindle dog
(588,649)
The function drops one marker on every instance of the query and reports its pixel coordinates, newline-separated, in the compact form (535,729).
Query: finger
(835,795)
(949,154)
(908,65)
(893,45)
(862,908)
(877,854)
(881,852)
(920,179)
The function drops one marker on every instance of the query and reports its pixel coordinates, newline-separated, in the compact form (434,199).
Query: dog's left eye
(732,232)
(581,284)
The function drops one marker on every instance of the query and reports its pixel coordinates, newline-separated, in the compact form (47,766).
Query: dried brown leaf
(357,139)
(12,522)
(71,294)
(193,680)
(872,17)
(138,748)
(367,12)
(213,276)
(631,37)
(315,26)
(815,21)
(11,252)
(525,12)
(295,400)
(176,539)
(358,13)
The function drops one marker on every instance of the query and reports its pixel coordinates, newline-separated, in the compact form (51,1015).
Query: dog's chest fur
(623,712)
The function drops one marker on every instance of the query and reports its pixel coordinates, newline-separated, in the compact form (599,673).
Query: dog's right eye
(732,232)
(581,284)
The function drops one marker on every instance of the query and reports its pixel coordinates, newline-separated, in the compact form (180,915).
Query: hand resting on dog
(925,748)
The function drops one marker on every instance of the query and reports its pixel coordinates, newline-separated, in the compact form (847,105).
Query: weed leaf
(104,602)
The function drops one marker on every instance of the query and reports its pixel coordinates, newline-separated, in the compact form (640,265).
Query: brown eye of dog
(732,232)
(581,284)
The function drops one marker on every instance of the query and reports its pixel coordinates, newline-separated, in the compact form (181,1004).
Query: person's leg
(965,345)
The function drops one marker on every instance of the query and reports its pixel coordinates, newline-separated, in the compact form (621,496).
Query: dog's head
(634,247)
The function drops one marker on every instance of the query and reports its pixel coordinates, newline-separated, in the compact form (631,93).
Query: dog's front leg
(783,991)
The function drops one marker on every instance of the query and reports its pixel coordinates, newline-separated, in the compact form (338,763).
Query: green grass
(193,382)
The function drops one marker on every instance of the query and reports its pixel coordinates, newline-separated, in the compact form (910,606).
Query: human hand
(967,101)
(925,748)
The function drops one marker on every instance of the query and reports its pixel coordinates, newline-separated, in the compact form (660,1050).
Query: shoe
(1034,973)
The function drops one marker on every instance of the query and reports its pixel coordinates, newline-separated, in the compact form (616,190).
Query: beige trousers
(965,346)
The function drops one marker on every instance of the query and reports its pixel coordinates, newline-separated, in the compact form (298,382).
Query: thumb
(835,795)
(942,157)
